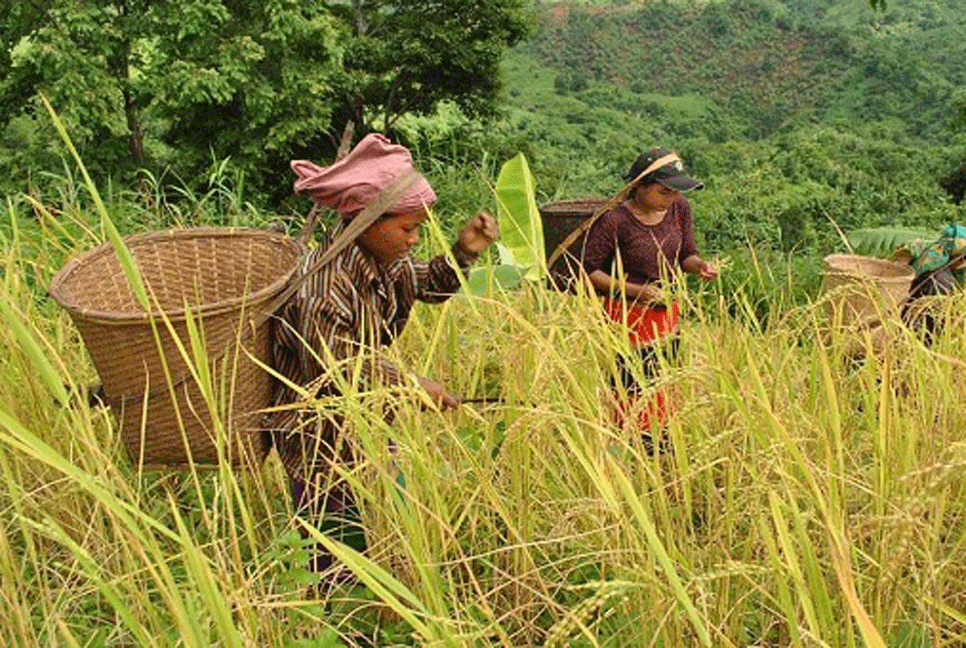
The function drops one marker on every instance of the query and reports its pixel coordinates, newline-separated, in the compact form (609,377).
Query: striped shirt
(341,316)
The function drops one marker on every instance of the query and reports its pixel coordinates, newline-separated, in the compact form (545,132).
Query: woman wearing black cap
(630,252)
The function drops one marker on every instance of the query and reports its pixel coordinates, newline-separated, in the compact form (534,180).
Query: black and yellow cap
(664,166)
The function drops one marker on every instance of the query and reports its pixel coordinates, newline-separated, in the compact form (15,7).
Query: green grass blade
(33,350)
(120,248)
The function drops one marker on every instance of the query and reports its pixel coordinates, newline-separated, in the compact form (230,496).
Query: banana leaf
(486,280)
(887,241)
(521,228)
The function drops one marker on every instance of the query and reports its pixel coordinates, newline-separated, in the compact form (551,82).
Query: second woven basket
(863,290)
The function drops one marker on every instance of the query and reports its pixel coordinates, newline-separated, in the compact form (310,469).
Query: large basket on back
(560,219)
(863,290)
(224,281)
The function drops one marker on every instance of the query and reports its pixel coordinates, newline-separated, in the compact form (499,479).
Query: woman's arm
(691,261)
(436,279)
(639,293)
(695,265)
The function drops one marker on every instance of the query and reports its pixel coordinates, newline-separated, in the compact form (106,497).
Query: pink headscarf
(351,183)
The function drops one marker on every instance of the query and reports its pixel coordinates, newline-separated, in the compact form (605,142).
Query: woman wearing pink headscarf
(351,308)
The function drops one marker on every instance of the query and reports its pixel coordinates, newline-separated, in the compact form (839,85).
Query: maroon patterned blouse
(646,251)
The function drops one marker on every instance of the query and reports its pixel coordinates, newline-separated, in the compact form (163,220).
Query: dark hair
(645,160)
(671,175)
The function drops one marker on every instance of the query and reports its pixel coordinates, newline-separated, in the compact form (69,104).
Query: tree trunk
(122,72)
(359,16)
(136,136)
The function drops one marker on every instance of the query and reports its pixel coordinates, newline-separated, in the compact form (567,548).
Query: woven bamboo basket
(223,280)
(863,290)
(560,219)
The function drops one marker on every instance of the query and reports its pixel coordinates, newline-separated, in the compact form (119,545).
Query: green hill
(767,65)
(805,119)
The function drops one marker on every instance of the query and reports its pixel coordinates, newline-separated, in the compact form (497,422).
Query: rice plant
(811,495)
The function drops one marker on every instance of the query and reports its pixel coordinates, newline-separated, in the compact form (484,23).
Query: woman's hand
(478,233)
(646,294)
(707,271)
(696,265)
(443,399)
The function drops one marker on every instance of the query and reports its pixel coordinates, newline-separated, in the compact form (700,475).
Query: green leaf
(484,281)
(521,229)
(883,241)
(506,254)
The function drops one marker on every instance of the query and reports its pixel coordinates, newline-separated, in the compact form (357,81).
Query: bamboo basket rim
(136,318)
(898,271)
(572,205)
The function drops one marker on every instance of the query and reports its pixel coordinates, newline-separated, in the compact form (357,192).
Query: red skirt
(647,412)
(646,324)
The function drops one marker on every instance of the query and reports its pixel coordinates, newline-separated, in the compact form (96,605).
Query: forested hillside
(768,67)
(806,119)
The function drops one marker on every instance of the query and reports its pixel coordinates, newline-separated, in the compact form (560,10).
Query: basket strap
(607,206)
(586,225)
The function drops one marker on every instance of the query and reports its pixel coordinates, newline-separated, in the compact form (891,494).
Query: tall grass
(812,496)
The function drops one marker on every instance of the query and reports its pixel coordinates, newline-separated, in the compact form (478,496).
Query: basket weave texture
(224,280)
(559,219)
(863,289)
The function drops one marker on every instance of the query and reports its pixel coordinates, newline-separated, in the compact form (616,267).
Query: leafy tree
(141,82)
(251,80)
(157,85)
(406,57)
(81,59)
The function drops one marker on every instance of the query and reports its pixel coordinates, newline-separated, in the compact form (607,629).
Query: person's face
(392,237)
(654,196)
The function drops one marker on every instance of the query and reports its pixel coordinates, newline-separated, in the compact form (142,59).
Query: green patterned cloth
(935,255)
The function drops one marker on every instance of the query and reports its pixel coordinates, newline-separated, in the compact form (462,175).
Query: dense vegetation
(178,89)
(812,497)
(805,120)
(795,115)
